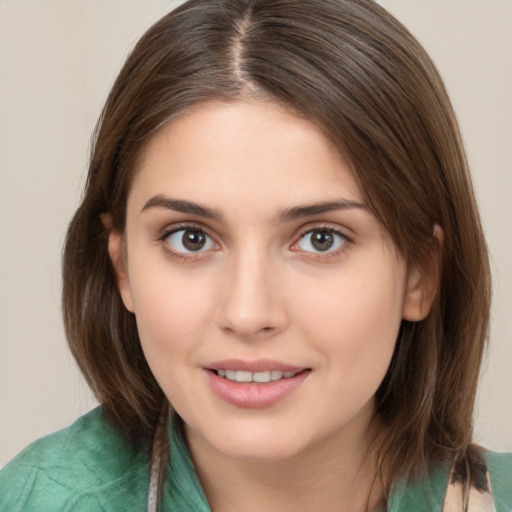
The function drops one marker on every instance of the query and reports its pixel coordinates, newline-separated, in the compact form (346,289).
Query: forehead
(260,150)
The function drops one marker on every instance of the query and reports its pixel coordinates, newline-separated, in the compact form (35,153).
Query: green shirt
(90,467)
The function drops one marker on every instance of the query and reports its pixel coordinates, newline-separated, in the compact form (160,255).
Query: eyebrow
(297,212)
(183,206)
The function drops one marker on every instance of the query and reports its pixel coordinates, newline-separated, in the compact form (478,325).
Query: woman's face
(267,297)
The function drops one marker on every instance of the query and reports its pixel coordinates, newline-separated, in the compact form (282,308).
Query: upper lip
(259,365)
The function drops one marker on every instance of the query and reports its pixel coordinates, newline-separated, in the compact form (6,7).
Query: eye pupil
(322,240)
(193,240)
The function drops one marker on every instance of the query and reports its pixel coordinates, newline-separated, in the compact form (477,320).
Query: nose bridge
(252,302)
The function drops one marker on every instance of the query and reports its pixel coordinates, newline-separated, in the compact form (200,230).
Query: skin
(257,289)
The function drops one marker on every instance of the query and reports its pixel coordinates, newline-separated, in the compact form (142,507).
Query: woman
(279,251)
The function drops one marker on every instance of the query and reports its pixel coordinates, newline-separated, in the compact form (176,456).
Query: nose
(252,302)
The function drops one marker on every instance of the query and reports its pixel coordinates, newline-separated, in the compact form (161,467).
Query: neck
(327,476)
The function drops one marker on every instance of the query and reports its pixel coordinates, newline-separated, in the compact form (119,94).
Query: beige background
(57,62)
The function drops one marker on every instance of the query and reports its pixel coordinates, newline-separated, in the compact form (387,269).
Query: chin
(260,450)
(250,442)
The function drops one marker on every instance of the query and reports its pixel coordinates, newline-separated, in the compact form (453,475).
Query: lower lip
(251,395)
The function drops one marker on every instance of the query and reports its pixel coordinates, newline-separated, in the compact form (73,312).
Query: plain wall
(57,62)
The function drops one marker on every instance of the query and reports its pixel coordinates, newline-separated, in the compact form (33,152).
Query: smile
(259,377)
(254,387)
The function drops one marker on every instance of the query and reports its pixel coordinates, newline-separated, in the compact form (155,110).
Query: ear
(423,282)
(118,258)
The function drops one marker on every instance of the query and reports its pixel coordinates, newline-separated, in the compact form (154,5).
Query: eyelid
(326,226)
(185,226)
(336,230)
(178,226)
(304,230)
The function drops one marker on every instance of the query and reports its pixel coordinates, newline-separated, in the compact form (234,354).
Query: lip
(252,395)
(259,365)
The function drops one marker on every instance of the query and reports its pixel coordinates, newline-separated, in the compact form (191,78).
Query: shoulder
(87,466)
(433,491)
(500,473)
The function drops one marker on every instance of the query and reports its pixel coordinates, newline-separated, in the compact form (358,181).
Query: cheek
(355,322)
(355,332)
(171,315)
(172,319)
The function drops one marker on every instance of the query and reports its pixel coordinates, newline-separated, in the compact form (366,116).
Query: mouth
(256,384)
(260,377)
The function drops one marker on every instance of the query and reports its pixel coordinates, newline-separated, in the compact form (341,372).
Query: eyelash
(192,255)
(183,255)
(323,255)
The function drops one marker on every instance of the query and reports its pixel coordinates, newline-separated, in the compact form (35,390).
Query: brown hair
(356,72)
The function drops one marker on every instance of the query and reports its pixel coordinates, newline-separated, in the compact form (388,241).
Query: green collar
(423,495)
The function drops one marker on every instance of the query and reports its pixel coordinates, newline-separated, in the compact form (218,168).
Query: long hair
(359,75)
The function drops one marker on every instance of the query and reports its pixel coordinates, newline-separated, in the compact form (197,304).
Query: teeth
(276,375)
(260,377)
(241,376)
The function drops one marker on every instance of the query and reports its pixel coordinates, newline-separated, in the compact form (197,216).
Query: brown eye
(190,240)
(193,240)
(321,240)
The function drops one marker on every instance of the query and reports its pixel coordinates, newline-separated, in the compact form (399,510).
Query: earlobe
(423,282)
(118,259)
